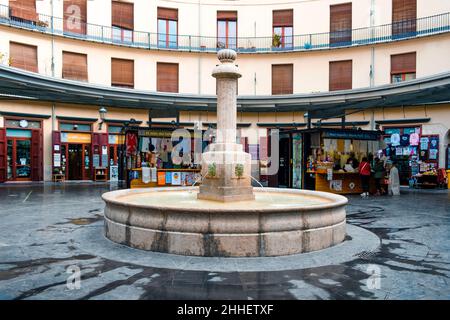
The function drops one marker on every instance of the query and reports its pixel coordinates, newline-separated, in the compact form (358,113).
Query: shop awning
(16,84)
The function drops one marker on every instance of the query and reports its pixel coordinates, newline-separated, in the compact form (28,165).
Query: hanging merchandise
(161,178)
(153,174)
(166,144)
(146,175)
(168,177)
(144,144)
(424,143)
(395,139)
(414,139)
(433,154)
(131,143)
(434,143)
(404,140)
(176,178)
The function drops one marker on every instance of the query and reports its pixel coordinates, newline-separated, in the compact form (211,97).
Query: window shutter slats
(75,16)
(123,15)
(403,63)
(283,18)
(282,79)
(227,15)
(404,15)
(341,23)
(167,13)
(23,56)
(122,72)
(75,66)
(167,77)
(23,9)
(340,75)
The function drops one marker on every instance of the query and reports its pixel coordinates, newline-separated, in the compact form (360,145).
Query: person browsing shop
(364,172)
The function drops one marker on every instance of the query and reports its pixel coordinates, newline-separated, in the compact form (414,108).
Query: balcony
(410,29)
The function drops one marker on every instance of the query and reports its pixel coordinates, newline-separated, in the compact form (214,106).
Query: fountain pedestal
(226,168)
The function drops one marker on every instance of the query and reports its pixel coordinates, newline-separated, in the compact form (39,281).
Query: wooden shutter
(283,18)
(340,75)
(75,16)
(404,16)
(75,66)
(282,78)
(23,56)
(2,154)
(167,77)
(167,13)
(227,15)
(341,23)
(122,72)
(23,9)
(123,15)
(36,155)
(403,63)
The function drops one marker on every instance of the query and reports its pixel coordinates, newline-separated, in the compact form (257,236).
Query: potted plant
(212,170)
(239,170)
(276,40)
(42,24)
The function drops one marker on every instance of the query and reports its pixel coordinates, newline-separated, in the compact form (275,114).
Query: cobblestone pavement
(41,244)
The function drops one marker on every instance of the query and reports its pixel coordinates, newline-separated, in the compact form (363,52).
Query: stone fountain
(225,216)
(226,167)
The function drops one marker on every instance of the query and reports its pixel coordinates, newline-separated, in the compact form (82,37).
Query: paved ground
(41,240)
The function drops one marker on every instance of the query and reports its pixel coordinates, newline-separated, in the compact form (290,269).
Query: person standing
(364,173)
(378,175)
(394,181)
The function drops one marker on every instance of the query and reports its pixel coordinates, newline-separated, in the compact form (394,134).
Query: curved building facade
(289,52)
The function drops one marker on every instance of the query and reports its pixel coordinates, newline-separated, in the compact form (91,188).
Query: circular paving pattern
(358,242)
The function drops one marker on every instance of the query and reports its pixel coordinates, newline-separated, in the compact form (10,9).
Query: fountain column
(226,168)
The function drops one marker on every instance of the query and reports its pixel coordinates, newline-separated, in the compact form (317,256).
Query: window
(167,77)
(341,24)
(404,15)
(23,56)
(340,75)
(282,78)
(122,73)
(167,28)
(403,67)
(74,66)
(122,21)
(282,21)
(227,29)
(23,10)
(75,14)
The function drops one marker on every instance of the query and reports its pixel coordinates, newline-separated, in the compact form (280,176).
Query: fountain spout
(223,164)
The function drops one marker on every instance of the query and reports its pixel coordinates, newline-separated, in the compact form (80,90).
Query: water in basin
(188,199)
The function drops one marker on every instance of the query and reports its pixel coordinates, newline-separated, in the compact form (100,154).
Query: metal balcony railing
(307,42)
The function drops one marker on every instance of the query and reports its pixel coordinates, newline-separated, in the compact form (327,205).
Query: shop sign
(155,133)
(355,135)
(71,137)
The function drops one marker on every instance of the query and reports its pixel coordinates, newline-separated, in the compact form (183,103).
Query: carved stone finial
(226,55)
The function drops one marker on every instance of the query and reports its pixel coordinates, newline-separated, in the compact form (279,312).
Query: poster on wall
(114,173)
(336,185)
(176,178)
(57,160)
(297,161)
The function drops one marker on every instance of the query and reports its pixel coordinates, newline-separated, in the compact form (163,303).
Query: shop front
(80,154)
(148,158)
(416,155)
(21,151)
(325,159)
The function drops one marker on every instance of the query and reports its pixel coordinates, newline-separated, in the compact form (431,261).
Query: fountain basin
(172,220)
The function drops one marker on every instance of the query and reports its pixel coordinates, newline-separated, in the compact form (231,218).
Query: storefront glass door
(19,159)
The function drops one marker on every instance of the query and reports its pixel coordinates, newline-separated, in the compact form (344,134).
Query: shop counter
(190,176)
(342,183)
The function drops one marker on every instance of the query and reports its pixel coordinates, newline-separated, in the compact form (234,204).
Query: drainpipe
(53,63)
(372,51)
(199,44)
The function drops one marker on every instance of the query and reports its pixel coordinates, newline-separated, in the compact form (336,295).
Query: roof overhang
(16,84)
